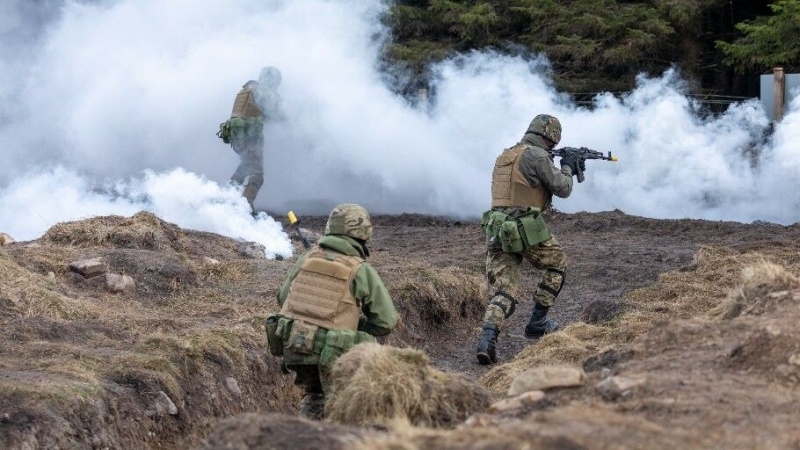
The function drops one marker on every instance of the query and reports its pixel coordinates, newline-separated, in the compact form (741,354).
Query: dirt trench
(85,368)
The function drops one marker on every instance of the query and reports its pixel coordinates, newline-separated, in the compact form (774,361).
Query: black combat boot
(539,325)
(312,406)
(487,354)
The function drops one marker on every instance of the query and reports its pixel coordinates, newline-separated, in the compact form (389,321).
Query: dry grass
(375,384)
(65,339)
(30,294)
(690,292)
(753,295)
(440,295)
(143,230)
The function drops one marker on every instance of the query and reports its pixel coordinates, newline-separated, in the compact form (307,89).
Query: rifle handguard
(581,154)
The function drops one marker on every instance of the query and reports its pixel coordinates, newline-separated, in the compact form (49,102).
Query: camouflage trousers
(314,383)
(251,165)
(502,270)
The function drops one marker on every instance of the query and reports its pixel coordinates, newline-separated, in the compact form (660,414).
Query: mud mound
(763,286)
(38,328)
(772,347)
(83,367)
(143,230)
(569,346)
(773,351)
(254,432)
(571,428)
(375,384)
(438,295)
(603,310)
(690,291)
(6,239)
(156,273)
(26,293)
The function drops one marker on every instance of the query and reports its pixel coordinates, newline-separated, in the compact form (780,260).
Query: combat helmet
(351,220)
(547,127)
(270,76)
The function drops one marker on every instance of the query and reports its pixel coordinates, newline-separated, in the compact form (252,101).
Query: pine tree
(768,41)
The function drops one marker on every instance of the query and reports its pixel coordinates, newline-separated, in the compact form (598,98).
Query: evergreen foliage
(601,45)
(768,41)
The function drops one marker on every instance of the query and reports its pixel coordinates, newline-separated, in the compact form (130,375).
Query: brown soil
(81,367)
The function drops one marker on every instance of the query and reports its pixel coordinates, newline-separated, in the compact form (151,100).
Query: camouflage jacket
(538,167)
(368,288)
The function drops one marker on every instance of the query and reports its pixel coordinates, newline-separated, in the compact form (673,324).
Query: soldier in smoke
(257,101)
(524,181)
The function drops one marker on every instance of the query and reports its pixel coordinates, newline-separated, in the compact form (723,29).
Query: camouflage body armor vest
(320,294)
(245,104)
(509,185)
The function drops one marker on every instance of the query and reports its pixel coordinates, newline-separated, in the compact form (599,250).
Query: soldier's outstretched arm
(375,301)
(539,170)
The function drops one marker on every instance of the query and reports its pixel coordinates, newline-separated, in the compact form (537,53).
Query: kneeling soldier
(331,301)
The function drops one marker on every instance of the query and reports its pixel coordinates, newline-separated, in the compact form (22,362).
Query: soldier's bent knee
(505,302)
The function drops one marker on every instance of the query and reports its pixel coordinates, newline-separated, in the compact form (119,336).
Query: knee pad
(502,305)
(562,275)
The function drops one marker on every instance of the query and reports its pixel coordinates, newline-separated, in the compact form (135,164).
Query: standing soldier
(331,301)
(255,102)
(524,181)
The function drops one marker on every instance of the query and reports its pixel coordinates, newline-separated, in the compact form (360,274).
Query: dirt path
(609,254)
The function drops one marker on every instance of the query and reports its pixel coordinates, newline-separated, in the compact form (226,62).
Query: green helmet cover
(547,127)
(351,220)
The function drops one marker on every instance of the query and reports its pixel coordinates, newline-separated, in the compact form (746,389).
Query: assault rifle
(581,154)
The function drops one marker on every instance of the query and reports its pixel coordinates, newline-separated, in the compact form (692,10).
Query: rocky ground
(682,332)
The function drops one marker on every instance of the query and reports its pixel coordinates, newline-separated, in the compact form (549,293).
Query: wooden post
(777,74)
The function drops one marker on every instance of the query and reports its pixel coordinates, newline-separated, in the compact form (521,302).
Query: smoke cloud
(37,201)
(131,93)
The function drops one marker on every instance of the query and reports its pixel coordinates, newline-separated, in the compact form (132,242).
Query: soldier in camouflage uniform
(255,102)
(331,301)
(524,181)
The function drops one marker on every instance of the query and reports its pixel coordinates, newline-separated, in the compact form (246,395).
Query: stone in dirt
(253,250)
(477,420)
(233,386)
(616,387)
(120,283)
(210,261)
(89,268)
(546,377)
(526,399)
(164,404)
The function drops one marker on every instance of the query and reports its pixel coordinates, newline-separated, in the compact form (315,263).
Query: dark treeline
(720,46)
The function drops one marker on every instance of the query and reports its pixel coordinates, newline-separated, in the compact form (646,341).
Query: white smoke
(38,201)
(111,89)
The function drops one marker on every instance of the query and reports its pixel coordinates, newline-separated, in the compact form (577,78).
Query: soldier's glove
(572,162)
